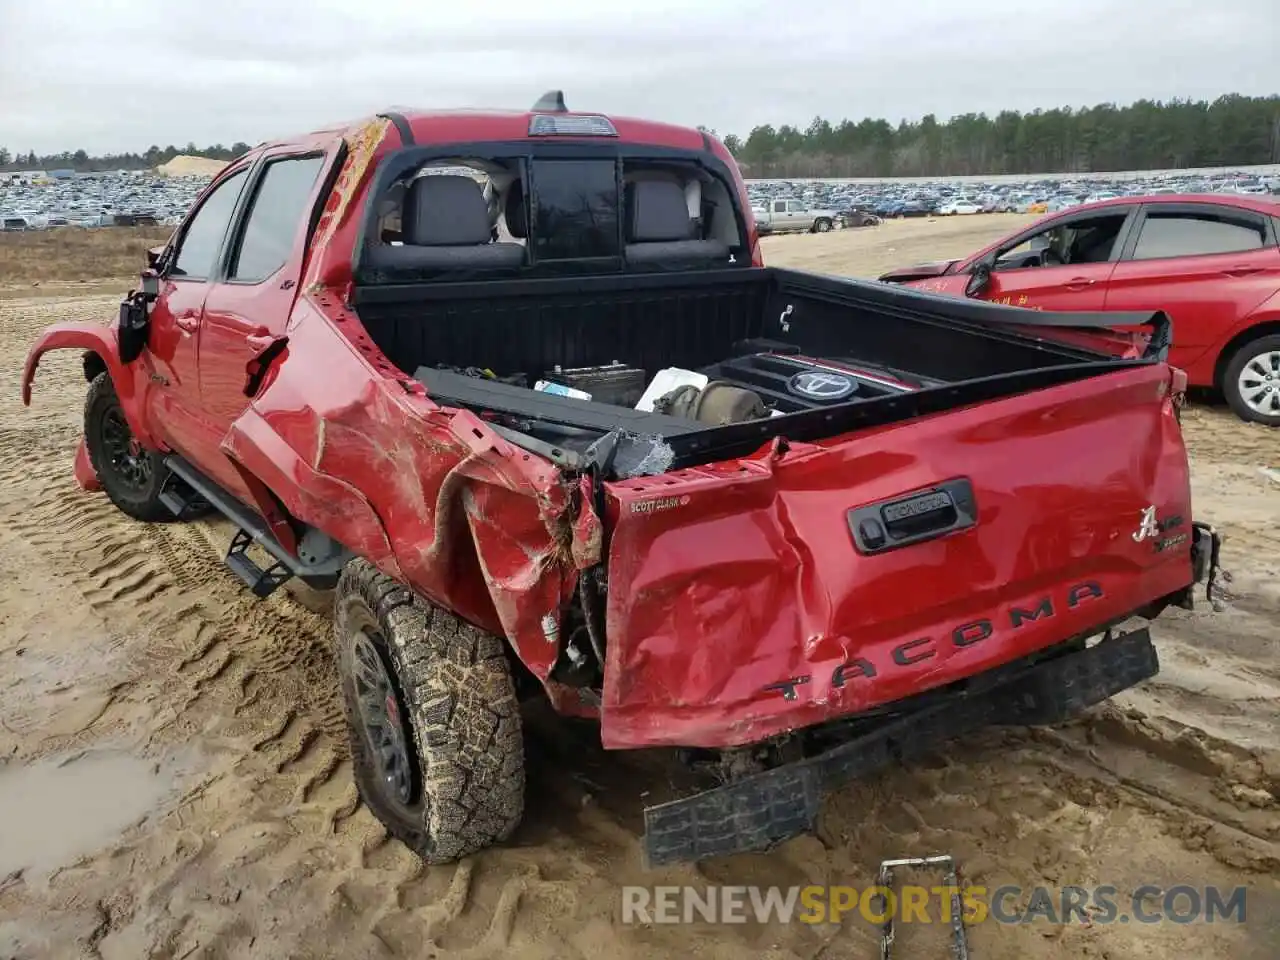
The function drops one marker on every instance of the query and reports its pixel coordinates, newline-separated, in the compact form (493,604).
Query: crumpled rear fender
(129,380)
(434,497)
(322,501)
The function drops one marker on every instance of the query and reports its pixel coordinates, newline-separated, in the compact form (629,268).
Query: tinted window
(203,236)
(274,217)
(780,206)
(575,211)
(1188,234)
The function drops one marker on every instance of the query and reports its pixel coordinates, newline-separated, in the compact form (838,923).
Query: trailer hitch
(959,945)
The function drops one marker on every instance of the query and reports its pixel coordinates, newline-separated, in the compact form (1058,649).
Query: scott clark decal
(659,504)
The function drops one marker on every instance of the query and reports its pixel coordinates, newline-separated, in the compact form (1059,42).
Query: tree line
(82,162)
(1233,130)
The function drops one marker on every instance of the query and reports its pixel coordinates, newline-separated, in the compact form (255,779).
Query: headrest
(657,212)
(445,210)
(513,211)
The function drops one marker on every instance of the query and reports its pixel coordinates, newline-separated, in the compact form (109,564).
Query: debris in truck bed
(639,456)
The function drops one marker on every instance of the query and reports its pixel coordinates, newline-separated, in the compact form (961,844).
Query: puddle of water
(56,810)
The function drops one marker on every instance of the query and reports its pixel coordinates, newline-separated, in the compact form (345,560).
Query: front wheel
(434,721)
(1251,381)
(131,476)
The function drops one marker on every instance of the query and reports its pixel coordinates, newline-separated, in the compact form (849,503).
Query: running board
(194,491)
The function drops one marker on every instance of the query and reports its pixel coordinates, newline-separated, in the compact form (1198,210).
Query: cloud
(125,74)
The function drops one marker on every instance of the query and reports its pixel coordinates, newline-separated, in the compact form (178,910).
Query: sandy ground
(174,780)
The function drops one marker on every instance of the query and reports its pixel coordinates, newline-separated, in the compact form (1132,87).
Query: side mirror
(150,284)
(979,277)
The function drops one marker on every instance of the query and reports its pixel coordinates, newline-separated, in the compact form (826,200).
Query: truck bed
(913,354)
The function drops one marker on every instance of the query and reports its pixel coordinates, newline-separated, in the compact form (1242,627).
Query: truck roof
(370,140)
(475,125)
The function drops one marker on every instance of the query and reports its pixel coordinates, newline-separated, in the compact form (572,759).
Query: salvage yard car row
(1033,195)
(35,200)
(124,198)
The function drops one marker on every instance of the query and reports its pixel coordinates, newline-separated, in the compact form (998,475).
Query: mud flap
(762,810)
(1206,546)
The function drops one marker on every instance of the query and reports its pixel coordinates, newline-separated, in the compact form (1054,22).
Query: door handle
(901,521)
(1078,283)
(1241,270)
(187,322)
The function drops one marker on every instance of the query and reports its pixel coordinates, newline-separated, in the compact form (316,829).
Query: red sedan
(1210,261)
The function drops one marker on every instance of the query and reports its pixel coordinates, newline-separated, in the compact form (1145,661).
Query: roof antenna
(551,102)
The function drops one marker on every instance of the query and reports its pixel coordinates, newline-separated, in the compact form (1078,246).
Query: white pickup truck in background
(792,216)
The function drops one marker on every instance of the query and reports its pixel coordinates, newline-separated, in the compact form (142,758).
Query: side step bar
(187,492)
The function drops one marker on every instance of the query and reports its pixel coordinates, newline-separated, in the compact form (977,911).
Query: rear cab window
(576,210)
(524,212)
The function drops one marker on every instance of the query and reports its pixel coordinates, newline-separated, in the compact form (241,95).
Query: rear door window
(575,209)
(275,215)
(1189,234)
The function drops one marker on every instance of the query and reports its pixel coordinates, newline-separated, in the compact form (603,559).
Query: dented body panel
(740,608)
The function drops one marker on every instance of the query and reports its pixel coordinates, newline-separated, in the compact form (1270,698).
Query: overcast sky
(124,74)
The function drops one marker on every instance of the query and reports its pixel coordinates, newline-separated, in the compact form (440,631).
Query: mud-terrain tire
(131,476)
(1261,357)
(436,750)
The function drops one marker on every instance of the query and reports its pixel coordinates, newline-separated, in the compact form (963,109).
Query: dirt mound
(185,166)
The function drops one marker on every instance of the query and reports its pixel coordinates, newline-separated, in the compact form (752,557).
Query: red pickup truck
(1210,261)
(518,388)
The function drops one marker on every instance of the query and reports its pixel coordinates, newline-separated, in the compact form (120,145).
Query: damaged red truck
(519,389)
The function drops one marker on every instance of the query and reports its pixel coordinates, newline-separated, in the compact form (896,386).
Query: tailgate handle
(913,518)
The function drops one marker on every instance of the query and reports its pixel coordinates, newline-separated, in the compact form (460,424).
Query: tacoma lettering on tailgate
(963,635)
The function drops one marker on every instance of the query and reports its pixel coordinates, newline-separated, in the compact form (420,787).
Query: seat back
(445,224)
(659,230)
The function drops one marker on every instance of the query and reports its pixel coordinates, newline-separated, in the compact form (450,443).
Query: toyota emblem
(822,385)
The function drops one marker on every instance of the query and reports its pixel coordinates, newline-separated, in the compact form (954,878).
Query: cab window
(202,239)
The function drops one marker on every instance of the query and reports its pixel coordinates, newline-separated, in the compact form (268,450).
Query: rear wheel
(1251,381)
(822,225)
(434,722)
(131,476)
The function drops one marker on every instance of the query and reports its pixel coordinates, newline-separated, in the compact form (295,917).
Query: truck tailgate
(741,604)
